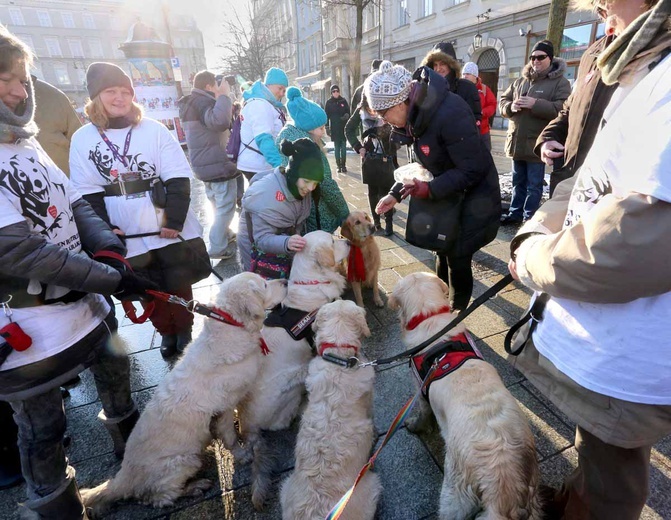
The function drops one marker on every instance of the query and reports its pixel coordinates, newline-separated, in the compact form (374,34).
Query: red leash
(127,305)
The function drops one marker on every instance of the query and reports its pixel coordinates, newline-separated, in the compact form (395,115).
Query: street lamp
(477,39)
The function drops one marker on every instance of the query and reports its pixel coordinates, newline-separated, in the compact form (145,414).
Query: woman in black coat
(378,157)
(446,142)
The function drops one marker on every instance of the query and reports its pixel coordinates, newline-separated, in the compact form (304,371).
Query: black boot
(388,224)
(120,429)
(10,461)
(63,504)
(168,345)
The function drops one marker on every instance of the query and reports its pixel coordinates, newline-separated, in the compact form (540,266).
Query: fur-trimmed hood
(556,70)
(436,55)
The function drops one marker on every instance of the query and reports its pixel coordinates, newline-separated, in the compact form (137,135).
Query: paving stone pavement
(410,467)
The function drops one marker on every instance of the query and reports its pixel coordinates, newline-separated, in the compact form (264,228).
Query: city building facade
(68,35)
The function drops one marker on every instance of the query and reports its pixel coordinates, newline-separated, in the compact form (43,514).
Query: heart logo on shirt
(53,211)
(279,196)
(114,173)
(425,149)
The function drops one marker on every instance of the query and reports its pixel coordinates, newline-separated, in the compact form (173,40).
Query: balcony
(371,35)
(335,46)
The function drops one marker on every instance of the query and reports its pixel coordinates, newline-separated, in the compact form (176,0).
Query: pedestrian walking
(530,102)
(598,251)
(136,176)
(206,115)
(329,207)
(337,112)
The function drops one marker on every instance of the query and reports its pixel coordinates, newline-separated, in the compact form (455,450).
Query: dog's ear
(346,230)
(325,256)
(362,323)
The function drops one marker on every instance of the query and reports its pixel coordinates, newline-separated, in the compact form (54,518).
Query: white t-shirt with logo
(152,152)
(620,350)
(34,190)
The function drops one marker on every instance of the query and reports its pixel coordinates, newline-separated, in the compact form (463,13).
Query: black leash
(487,295)
(536,315)
(156,233)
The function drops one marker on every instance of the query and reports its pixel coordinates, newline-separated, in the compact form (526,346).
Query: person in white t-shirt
(53,319)
(600,249)
(115,163)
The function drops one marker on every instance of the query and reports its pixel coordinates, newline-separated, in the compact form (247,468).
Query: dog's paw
(378,302)
(198,487)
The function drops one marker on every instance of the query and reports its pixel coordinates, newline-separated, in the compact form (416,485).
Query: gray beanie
(102,75)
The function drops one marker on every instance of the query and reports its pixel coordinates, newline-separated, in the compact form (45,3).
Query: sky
(209,15)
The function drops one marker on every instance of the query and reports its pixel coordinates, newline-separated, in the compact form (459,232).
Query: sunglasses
(335,91)
(540,57)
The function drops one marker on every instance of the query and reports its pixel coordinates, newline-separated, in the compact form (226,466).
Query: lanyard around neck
(121,158)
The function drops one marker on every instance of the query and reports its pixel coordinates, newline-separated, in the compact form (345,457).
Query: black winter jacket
(337,111)
(447,143)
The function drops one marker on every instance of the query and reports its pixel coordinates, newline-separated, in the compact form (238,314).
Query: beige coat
(57,121)
(551,89)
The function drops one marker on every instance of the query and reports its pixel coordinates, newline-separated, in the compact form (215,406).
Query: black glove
(132,287)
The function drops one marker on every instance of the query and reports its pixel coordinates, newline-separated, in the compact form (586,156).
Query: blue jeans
(340,150)
(527,188)
(222,195)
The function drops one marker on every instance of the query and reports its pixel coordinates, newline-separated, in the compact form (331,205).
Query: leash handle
(535,314)
(395,425)
(487,295)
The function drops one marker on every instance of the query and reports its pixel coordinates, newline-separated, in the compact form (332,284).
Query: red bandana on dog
(356,267)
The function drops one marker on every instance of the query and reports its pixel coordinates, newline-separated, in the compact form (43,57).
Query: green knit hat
(305,162)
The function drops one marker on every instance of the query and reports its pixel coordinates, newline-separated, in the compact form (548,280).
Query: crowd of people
(104,209)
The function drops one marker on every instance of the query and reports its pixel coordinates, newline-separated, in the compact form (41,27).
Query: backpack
(233,147)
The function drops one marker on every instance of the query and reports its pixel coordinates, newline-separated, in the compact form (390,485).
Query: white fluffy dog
(490,460)
(216,372)
(336,432)
(280,386)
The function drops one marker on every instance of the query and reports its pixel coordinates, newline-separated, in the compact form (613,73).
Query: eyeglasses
(539,57)
(382,112)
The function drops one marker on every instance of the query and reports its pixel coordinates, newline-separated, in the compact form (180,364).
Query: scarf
(635,38)
(20,124)
(356,266)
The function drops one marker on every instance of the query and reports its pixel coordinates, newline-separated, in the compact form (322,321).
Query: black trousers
(375,193)
(457,273)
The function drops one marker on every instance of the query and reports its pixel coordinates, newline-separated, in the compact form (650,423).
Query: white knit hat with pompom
(387,87)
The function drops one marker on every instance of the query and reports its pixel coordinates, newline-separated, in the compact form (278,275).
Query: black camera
(229,79)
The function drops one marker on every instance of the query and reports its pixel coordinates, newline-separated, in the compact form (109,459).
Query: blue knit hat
(276,76)
(306,114)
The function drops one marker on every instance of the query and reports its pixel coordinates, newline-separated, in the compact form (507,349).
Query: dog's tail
(101,497)
(263,469)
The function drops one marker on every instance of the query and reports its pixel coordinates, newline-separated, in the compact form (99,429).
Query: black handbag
(434,224)
(378,169)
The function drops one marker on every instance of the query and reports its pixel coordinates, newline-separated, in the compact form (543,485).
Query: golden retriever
(359,230)
(490,460)
(279,389)
(336,432)
(217,370)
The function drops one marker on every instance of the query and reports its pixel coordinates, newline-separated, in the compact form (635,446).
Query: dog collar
(309,282)
(417,320)
(225,317)
(323,346)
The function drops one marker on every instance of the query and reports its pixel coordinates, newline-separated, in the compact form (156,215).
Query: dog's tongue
(356,268)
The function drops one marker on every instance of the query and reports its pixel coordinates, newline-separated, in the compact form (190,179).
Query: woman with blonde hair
(136,177)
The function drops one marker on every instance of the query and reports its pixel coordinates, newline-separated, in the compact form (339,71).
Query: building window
(96,48)
(53,47)
(68,20)
(76,49)
(16,16)
(426,7)
(403,16)
(88,20)
(44,18)
(457,2)
(61,73)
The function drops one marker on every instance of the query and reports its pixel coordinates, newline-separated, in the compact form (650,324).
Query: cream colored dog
(490,460)
(336,433)
(217,370)
(359,230)
(280,386)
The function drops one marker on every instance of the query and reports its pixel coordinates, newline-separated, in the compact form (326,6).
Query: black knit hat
(335,87)
(446,48)
(101,75)
(375,65)
(305,162)
(545,46)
